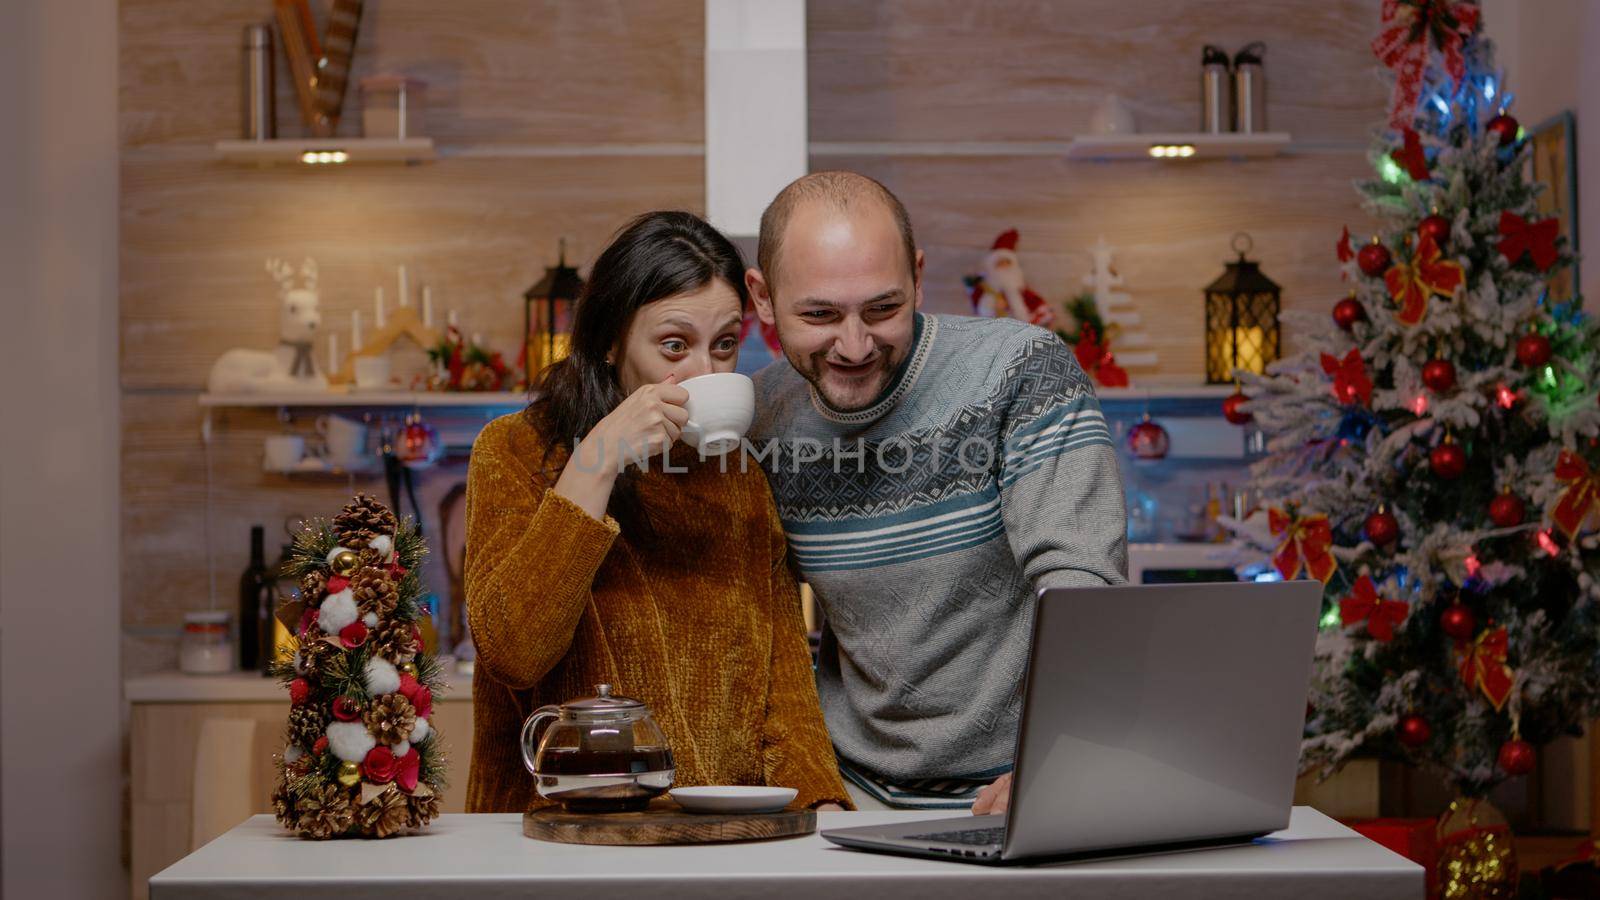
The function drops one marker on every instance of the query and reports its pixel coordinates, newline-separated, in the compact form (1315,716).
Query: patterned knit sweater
(701,622)
(927,522)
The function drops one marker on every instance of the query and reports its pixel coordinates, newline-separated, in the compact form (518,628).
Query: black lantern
(547,315)
(1241,319)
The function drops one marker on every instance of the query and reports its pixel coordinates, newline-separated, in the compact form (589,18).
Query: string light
(1505,396)
(1548,543)
(1419,406)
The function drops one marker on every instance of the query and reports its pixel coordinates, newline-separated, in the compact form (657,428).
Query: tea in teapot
(599,754)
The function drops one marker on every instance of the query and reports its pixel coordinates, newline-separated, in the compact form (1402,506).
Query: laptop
(1155,718)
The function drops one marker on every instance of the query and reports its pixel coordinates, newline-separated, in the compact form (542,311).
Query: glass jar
(599,754)
(204,647)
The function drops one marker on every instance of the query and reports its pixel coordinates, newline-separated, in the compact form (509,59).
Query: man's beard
(814,369)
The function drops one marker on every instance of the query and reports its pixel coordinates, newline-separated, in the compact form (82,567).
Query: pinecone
(385,815)
(390,718)
(313,586)
(374,592)
(315,656)
(282,806)
(362,520)
(325,814)
(394,640)
(307,723)
(422,810)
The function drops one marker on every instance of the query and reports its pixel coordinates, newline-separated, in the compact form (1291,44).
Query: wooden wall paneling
(498,71)
(986,70)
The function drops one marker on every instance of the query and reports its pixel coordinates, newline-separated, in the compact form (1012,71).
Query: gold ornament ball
(349,774)
(408,668)
(344,562)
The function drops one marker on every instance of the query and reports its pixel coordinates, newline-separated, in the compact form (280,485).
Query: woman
(671,586)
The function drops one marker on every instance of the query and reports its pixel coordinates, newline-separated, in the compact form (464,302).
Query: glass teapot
(599,754)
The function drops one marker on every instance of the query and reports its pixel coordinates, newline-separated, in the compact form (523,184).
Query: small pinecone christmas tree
(362,759)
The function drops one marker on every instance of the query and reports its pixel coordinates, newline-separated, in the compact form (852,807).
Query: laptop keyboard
(973,837)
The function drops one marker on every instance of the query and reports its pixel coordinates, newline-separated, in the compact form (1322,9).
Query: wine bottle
(255,596)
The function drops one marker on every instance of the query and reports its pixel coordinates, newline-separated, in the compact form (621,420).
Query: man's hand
(993,798)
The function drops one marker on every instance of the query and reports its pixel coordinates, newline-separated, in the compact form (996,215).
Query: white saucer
(733,798)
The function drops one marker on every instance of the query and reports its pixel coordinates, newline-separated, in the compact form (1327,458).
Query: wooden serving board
(664,822)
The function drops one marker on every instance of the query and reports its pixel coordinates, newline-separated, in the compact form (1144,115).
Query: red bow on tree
(1411,31)
(1537,239)
(1382,616)
(1343,247)
(1306,541)
(1577,502)
(1483,665)
(1410,284)
(1350,381)
(1411,158)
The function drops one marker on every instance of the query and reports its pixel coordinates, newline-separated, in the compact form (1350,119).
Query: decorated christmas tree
(361,756)
(1431,456)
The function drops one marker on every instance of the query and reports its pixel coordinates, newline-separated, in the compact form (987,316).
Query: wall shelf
(369,399)
(356,151)
(1199,146)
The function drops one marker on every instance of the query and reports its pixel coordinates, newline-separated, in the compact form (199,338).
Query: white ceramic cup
(371,372)
(720,407)
(284,451)
(346,439)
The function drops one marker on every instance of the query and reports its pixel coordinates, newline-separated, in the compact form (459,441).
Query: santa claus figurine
(1001,289)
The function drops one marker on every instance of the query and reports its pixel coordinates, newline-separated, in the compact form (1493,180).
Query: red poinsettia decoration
(1428,273)
(1364,605)
(1351,384)
(1412,30)
(1536,239)
(1095,356)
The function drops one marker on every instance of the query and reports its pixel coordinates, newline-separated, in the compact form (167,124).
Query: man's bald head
(841,191)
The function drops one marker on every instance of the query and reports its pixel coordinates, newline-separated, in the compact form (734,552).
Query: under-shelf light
(1171,151)
(324,157)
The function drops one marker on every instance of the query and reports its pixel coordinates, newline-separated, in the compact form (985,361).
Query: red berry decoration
(345,709)
(1347,312)
(1232,412)
(1517,757)
(1413,730)
(1458,622)
(1504,128)
(1448,461)
(1439,375)
(1533,350)
(1506,510)
(1382,528)
(299,690)
(1436,227)
(1373,259)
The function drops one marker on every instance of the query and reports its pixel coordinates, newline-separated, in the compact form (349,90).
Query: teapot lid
(602,702)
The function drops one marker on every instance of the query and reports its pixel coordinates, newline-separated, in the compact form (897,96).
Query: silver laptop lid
(1159,713)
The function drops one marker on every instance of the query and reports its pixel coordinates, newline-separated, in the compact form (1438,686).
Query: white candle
(450,317)
(427,306)
(405,295)
(355,330)
(377,305)
(333,351)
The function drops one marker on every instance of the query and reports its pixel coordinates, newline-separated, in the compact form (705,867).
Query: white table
(486,856)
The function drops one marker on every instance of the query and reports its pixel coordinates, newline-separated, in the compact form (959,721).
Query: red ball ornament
(1436,227)
(345,709)
(1381,528)
(1458,622)
(1506,510)
(1504,128)
(1448,461)
(1373,259)
(1439,375)
(1533,350)
(1147,440)
(299,690)
(1517,757)
(1232,412)
(1413,730)
(1347,312)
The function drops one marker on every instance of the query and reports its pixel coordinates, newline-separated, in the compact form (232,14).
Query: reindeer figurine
(291,367)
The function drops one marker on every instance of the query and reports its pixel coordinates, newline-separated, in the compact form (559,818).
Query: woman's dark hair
(658,255)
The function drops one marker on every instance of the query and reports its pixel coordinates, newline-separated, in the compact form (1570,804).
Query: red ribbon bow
(1307,541)
(1343,247)
(1483,665)
(1410,284)
(1350,381)
(1537,239)
(1411,30)
(1411,158)
(1382,616)
(1577,502)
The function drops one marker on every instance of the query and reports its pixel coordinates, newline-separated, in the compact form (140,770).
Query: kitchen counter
(486,856)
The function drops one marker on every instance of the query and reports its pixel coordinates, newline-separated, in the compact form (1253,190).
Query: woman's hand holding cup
(643,425)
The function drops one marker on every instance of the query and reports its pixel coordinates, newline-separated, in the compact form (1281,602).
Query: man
(932,473)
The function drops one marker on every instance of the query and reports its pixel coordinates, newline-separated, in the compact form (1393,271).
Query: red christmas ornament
(1439,375)
(1147,440)
(321,746)
(353,635)
(1382,528)
(1448,461)
(1506,510)
(1413,730)
(1533,350)
(299,690)
(345,709)
(1458,622)
(380,765)
(1517,757)
(1436,227)
(1347,312)
(1373,259)
(1232,412)
(1504,128)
